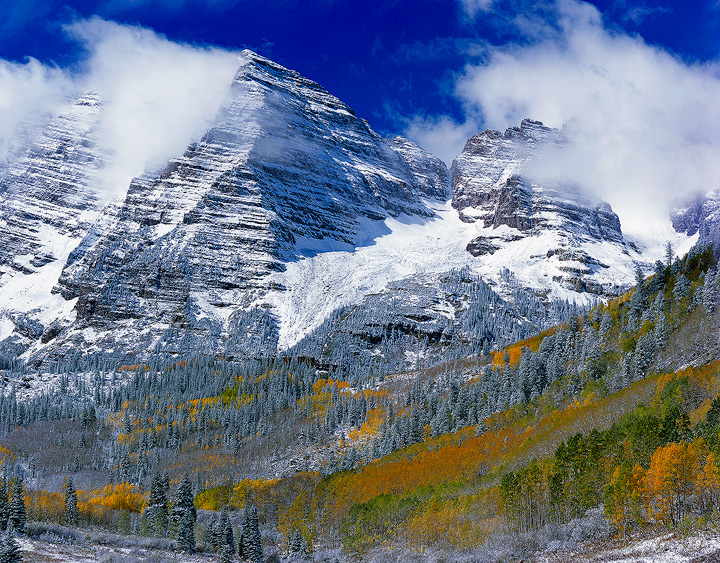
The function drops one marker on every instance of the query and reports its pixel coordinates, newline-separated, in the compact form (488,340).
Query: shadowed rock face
(490,186)
(699,214)
(283,164)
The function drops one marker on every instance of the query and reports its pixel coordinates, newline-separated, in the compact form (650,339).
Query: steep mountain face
(493,189)
(419,320)
(288,216)
(699,214)
(286,171)
(48,204)
(489,185)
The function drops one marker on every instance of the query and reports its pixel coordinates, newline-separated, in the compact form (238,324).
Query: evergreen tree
(298,547)
(224,532)
(157,509)
(250,542)
(669,253)
(10,551)
(184,515)
(186,532)
(18,514)
(226,554)
(4,505)
(71,508)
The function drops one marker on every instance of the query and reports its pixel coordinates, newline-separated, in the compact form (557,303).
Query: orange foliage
(45,506)
(516,350)
(370,428)
(671,479)
(115,496)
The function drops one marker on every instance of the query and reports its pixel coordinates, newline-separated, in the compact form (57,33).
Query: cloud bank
(644,125)
(157,95)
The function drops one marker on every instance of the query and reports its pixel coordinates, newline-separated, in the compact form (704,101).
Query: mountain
(287,210)
(699,215)
(571,237)
(285,171)
(48,205)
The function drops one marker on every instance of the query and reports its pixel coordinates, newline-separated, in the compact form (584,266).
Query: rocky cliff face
(47,193)
(286,171)
(490,186)
(493,189)
(699,214)
(288,211)
(48,203)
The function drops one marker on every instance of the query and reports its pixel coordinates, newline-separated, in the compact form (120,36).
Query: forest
(607,424)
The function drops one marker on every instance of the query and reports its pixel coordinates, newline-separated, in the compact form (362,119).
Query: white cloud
(27,92)
(157,95)
(440,136)
(472,7)
(645,126)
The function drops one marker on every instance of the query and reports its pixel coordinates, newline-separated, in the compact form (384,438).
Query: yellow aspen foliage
(296,516)
(671,480)
(710,483)
(97,504)
(625,498)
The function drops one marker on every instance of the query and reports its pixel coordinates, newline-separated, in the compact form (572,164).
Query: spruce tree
(224,532)
(4,505)
(250,540)
(226,554)
(298,547)
(184,515)
(10,551)
(186,533)
(18,514)
(157,509)
(71,508)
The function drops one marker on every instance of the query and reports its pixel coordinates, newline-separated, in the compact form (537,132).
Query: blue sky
(388,59)
(636,84)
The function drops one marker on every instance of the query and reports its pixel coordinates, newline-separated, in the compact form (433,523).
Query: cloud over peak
(644,125)
(156,95)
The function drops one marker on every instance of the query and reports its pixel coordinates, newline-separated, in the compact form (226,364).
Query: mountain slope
(286,171)
(288,208)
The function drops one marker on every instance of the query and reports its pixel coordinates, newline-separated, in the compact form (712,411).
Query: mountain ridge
(290,206)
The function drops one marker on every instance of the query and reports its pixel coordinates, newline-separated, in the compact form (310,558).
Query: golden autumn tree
(672,479)
(625,498)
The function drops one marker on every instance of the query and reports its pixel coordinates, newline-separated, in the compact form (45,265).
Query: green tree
(298,547)
(184,515)
(156,512)
(18,514)
(9,550)
(250,540)
(71,507)
(4,505)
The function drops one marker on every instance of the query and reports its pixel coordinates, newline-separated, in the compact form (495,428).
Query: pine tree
(250,547)
(298,547)
(10,551)
(18,514)
(226,554)
(4,505)
(71,508)
(157,509)
(184,515)
(669,253)
(224,532)
(186,532)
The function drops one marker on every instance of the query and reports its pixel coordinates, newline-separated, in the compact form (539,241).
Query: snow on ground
(667,548)
(33,550)
(331,276)
(31,293)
